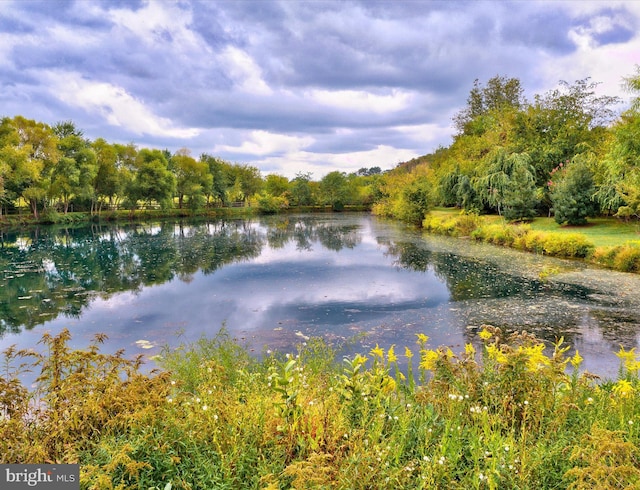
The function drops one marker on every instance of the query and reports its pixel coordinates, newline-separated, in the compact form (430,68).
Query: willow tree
(508,185)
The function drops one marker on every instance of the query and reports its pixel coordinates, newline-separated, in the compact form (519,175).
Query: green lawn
(602,232)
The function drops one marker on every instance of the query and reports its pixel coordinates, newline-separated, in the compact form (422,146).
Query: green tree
(619,179)
(247,182)
(222,179)
(467,195)
(416,201)
(520,196)
(153,181)
(572,192)
(35,155)
(334,189)
(508,185)
(562,123)
(108,182)
(499,94)
(276,185)
(192,178)
(300,190)
(74,173)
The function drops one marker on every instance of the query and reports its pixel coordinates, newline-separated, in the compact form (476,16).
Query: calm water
(272,282)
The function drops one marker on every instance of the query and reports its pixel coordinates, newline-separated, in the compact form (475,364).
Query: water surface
(273,282)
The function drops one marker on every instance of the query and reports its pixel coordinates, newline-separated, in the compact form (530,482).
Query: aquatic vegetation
(508,411)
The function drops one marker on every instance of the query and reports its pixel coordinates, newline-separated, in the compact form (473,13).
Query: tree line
(57,169)
(566,153)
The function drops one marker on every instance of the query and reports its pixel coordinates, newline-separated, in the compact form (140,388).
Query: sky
(296,86)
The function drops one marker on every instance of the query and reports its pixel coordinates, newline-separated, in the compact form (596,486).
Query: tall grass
(516,414)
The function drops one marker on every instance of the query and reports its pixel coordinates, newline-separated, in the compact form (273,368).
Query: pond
(273,282)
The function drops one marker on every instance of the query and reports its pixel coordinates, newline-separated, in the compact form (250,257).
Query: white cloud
(244,71)
(425,134)
(264,143)
(320,164)
(113,103)
(158,23)
(605,64)
(361,101)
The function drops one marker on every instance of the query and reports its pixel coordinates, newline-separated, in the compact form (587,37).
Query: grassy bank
(604,241)
(507,416)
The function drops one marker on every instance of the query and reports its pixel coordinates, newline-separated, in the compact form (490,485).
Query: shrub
(571,193)
(569,245)
(497,234)
(566,245)
(268,204)
(458,226)
(625,258)
(466,223)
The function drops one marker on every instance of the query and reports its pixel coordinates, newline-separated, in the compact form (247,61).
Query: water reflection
(277,280)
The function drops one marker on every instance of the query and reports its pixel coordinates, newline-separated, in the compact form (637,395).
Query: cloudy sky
(296,86)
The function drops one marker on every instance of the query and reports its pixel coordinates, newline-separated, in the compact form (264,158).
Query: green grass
(602,232)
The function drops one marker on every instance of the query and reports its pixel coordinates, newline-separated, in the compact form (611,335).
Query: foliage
(625,258)
(56,168)
(572,191)
(499,93)
(335,190)
(270,204)
(568,245)
(509,411)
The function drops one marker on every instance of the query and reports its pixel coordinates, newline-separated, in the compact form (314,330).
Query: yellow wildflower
(377,352)
(470,350)
(627,356)
(496,354)
(407,353)
(633,366)
(388,384)
(422,338)
(536,358)
(391,355)
(428,359)
(576,360)
(359,360)
(623,389)
(485,334)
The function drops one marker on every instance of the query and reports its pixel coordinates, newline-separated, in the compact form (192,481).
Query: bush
(466,223)
(565,245)
(624,258)
(49,217)
(458,226)
(570,245)
(497,234)
(571,193)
